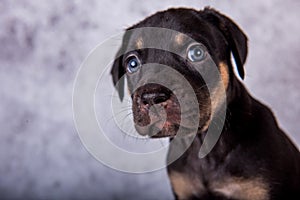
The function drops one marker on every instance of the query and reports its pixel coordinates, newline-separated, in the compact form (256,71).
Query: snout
(156,111)
(151,94)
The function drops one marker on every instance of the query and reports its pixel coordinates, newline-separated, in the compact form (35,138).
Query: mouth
(157,112)
(163,120)
(158,129)
(160,119)
(166,129)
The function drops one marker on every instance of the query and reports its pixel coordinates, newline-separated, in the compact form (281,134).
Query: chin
(168,129)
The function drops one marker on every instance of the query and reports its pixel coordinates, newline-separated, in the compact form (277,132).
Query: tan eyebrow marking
(139,43)
(179,38)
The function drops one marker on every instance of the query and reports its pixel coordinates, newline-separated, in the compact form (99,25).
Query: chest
(186,186)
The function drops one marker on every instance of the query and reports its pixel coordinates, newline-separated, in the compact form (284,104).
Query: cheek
(224,72)
(218,95)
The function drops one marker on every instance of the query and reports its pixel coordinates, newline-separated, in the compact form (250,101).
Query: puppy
(253,158)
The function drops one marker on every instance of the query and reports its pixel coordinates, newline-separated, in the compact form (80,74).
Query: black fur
(251,143)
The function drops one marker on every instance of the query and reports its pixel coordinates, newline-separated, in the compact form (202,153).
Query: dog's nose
(154,98)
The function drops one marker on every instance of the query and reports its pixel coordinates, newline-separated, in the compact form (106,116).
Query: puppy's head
(199,41)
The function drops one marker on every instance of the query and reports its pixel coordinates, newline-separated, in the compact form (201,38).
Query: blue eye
(132,64)
(195,53)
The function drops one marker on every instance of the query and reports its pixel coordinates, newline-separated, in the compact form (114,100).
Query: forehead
(158,38)
(186,25)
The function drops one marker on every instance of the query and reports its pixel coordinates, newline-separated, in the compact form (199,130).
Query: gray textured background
(42,46)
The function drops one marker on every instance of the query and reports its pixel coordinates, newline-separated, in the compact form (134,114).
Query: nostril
(160,98)
(154,98)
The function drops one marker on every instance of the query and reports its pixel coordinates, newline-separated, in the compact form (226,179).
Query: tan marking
(224,74)
(179,38)
(139,43)
(218,95)
(241,188)
(184,186)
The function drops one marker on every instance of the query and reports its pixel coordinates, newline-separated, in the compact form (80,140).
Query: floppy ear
(117,72)
(235,37)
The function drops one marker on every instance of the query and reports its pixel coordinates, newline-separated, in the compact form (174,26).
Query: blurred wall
(42,46)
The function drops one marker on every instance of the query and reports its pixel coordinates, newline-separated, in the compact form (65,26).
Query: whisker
(116,114)
(128,100)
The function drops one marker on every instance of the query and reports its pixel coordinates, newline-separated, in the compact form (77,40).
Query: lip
(157,129)
(161,129)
